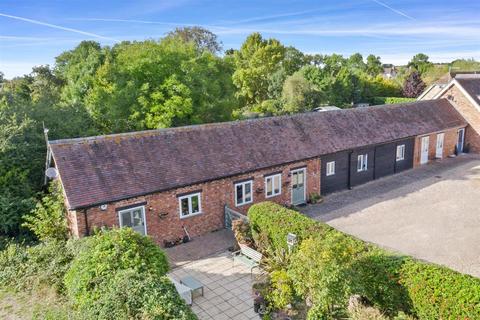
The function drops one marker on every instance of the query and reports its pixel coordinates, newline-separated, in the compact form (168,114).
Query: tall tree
(299,95)
(374,65)
(413,85)
(201,37)
(420,63)
(255,62)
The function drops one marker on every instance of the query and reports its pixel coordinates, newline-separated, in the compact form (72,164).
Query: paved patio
(227,288)
(200,247)
(432,213)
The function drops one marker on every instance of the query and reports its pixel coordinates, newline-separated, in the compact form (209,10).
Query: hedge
(328,266)
(391,100)
(275,222)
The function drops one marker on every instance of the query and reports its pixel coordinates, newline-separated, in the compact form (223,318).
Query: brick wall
(449,143)
(162,209)
(470,113)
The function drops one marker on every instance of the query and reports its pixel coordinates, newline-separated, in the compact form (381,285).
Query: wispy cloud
(394,10)
(54,26)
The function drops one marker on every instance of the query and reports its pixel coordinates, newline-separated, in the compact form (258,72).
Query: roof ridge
(154,132)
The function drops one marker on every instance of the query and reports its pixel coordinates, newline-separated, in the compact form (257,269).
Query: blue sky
(34,32)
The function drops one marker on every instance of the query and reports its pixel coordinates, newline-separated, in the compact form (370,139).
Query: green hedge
(275,222)
(391,100)
(329,266)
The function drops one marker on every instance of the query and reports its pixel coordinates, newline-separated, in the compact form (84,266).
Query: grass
(44,303)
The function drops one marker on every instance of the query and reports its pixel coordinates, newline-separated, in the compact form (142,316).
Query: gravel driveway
(432,213)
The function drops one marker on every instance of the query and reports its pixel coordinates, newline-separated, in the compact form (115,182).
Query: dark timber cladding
(358,166)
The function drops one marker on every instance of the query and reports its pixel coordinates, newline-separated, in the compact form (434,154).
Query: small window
(362,162)
(330,168)
(400,152)
(243,193)
(190,205)
(133,218)
(273,185)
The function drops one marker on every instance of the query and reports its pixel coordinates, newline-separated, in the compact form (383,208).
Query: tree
(48,220)
(420,63)
(202,38)
(150,84)
(413,85)
(374,65)
(299,95)
(255,62)
(77,68)
(355,61)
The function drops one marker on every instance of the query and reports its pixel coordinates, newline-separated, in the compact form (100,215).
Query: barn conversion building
(165,182)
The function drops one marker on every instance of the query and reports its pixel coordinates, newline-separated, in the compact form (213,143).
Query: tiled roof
(471,84)
(108,168)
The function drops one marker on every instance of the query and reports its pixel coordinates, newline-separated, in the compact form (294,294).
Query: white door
(424,150)
(460,140)
(439,149)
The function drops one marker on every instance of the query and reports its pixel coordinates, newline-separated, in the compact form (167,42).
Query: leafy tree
(202,38)
(255,62)
(374,65)
(299,95)
(420,63)
(77,69)
(355,61)
(150,84)
(47,221)
(413,85)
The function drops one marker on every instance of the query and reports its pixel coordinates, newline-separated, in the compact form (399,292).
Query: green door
(298,186)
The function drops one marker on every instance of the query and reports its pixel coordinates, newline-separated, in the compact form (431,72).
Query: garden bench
(248,256)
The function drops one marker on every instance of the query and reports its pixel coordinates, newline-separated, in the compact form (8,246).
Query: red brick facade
(162,213)
(469,112)
(449,143)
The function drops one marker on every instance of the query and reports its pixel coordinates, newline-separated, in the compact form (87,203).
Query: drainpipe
(350,170)
(87,231)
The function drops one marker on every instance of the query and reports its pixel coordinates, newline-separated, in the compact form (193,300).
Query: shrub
(276,222)
(392,100)
(131,295)
(282,292)
(107,253)
(440,293)
(24,267)
(47,221)
(329,266)
(241,231)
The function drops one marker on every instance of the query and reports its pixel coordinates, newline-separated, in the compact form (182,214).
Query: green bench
(248,256)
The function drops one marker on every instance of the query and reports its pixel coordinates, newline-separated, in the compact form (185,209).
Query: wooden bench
(248,256)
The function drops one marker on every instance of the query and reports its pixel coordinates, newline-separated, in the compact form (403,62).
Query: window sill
(273,195)
(243,204)
(191,215)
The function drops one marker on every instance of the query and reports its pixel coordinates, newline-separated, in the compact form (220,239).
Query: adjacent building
(169,182)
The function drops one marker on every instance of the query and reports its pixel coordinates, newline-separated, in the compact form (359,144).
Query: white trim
(304,184)
(189,197)
(439,151)
(272,177)
(243,192)
(402,156)
(131,209)
(363,160)
(424,93)
(463,140)
(422,139)
(330,168)
(462,90)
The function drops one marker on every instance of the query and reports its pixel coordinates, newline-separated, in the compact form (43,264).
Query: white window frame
(243,183)
(362,159)
(190,210)
(402,153)
(119,213)
(272,179)
(330,169)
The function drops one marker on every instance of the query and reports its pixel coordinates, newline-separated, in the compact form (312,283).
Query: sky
(34,32)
